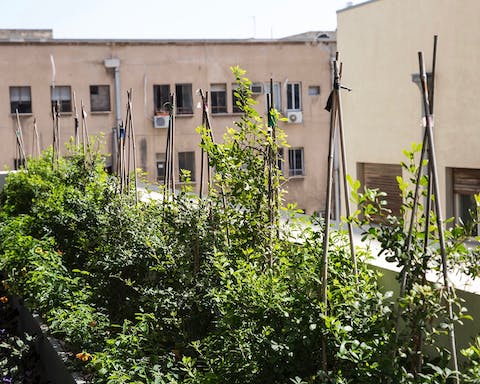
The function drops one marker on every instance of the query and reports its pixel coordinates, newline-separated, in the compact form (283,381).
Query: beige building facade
(379,42)
(36,68)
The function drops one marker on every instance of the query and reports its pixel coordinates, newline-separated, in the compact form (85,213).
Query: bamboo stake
(57,130)
(209,171)
(127,144)
(324,277)
(20,144)
(166,175)
(204,124)
(425,154)
(36,139)
(54,144)
(273,203)
(134,147)
(75,120)
(431,104)
(436,192)
(335,108)
(344,170)
(172,147)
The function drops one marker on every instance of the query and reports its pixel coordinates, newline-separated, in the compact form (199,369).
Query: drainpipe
(115,64)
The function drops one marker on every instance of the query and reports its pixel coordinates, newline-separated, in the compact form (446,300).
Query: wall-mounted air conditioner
(294,117)
(256,88)
(161,121)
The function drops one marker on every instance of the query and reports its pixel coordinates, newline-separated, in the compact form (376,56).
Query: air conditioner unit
(161,121)
(256,88)
(294,117)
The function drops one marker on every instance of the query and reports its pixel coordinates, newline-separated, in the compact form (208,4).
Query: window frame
(294,96)
(65,104)
(185,164)
(294,171)
(27,103)
(161,159)
(314,90)
(185,107)
(107,103)
(161,96)
(217,105)
(277,94)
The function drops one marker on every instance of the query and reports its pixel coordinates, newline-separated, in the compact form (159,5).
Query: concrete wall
(80,64)
(378,43)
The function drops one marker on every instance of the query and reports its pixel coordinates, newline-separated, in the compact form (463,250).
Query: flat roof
(347,8)
(21,36)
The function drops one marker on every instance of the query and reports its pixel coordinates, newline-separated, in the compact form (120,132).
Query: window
(235,107)
(62,94)
(161,166)
(294,97)
(276,95)
(466,184)
(256,88)
(184,99)
(100,98)
(20,99)
(314,90)
(295,162)
(218,97)
(384,178)
(161,98)
(186,161)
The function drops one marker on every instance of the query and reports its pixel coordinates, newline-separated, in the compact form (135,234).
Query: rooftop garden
(221,289)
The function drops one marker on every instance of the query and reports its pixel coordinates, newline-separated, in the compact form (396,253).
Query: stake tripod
(433,190)
(272,155)
(334,106)
(22,157)
(127,150)
(206,123)
(169,175)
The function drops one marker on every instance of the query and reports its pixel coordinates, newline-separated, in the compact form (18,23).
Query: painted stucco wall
(378,43)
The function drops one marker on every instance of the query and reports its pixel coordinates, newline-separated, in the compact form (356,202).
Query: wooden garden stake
(75,120)
(36,139)
(436,194)
(20,143)
(335,109)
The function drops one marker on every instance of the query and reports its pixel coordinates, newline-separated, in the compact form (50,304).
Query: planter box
(52,354)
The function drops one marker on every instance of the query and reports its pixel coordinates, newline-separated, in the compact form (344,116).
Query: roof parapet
(26,34)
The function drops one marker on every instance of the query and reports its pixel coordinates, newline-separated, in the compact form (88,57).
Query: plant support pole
(331,143)
(436,192)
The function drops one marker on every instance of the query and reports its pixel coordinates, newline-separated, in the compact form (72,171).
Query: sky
(174,19)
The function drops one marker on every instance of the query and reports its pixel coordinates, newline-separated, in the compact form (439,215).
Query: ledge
(53,356)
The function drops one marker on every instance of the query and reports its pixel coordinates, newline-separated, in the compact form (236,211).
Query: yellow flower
(84,356)
(4,299)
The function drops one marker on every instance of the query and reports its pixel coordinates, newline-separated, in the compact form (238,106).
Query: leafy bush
(211,290)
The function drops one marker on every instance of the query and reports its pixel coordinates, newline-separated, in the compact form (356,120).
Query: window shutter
(466,181)
(384,178)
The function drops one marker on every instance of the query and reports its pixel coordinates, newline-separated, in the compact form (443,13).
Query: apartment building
(37,70)
(379,41)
